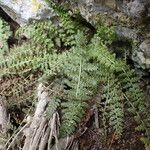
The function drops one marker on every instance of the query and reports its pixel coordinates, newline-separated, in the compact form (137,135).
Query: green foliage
(41,34)
(114,105)
(136,102)
(146,141)
(127,81)
(4,35)
(63,55)
(107,35)
(52,107)
(80,75)
(31,55)
(72,113)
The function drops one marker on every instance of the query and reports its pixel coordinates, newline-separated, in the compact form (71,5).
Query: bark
(4,121)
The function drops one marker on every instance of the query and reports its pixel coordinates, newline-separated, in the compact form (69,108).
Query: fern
(42,33)
(114,105)
(78,73)
(4,35)
(136,102)
(106,34)
(72,113)
(68,27)
(65,57)
(126,79)
(52,107)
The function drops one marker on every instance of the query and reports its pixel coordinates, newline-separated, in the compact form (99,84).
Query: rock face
(136,8)
(22,11)
(141,56)
(93,10)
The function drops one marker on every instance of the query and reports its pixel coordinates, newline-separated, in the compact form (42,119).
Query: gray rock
(92,11)
(23,11)
(141,57)
(127,33)
(136,9)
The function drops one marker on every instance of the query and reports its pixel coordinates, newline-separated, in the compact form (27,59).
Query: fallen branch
(41,132)
(4,122)
(33,134)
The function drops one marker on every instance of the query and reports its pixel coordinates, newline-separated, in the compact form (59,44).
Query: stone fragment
(141,57)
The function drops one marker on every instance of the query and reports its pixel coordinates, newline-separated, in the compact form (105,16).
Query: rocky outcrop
(23,11)
(115,10)
(92,10)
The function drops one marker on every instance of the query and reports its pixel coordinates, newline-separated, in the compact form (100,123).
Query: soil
(94,138)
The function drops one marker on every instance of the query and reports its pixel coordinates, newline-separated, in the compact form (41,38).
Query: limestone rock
(109,11)
(127,33)
(23,11)
(141,57)
(136,8)
(92,11)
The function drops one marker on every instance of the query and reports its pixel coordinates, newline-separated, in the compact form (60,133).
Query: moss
(36,5)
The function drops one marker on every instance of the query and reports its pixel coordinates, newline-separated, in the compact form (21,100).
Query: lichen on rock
(23,11)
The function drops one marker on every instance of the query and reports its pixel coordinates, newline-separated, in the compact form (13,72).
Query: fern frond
(100,52)
(4,35)
(72,114)
(41,33)
(52,106)
(136,101)
(107,34)
(114,105)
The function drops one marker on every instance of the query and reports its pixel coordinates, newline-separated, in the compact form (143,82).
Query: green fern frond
(100,52)
(4,35)
(146,141)
(107,34)
(114,105)
(52,106)
(72,113)
(128,80)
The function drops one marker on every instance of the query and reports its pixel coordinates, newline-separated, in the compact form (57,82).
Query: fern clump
(75,65)
(80,75)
